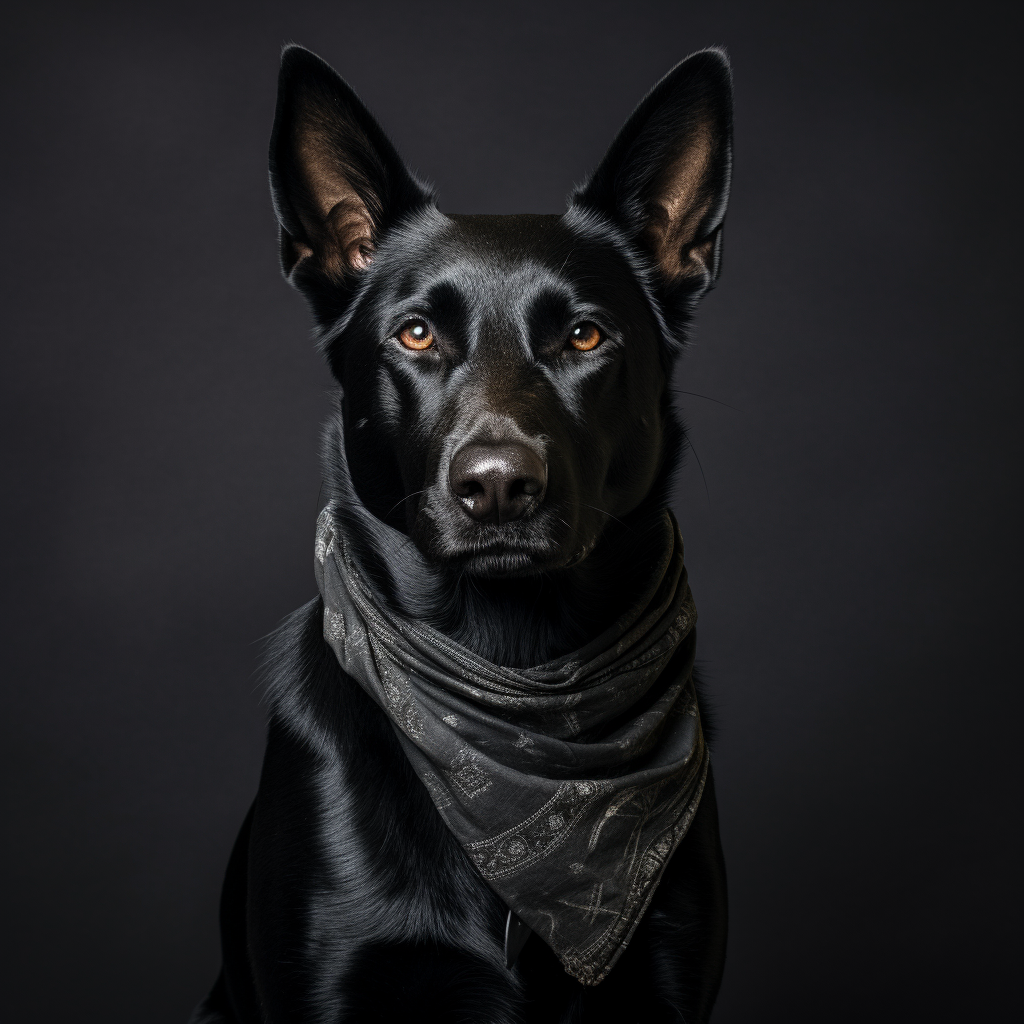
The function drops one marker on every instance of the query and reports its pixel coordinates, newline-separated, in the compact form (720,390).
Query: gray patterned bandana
(568,785)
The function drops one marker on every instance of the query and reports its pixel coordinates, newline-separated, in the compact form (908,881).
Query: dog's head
(504,378)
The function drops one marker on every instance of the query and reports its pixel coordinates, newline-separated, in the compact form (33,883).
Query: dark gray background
(855,555)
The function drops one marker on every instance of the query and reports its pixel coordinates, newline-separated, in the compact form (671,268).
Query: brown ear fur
(679,204)
(336,179)
(666,176)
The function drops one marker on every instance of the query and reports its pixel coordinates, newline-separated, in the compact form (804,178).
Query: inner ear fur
(336,179)
(665,178)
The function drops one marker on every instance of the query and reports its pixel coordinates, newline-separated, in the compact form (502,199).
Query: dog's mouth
(542,543)
(508,560)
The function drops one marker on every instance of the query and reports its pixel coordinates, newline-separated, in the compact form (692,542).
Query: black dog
(506,416)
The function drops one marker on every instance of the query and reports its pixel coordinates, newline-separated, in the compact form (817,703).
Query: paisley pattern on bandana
(568,785)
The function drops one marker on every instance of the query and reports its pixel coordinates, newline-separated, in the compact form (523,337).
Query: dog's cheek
(634,468)
(633,436)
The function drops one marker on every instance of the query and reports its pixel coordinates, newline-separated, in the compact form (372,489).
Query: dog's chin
(501,562)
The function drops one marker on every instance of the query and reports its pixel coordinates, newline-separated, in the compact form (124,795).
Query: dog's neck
(517,622)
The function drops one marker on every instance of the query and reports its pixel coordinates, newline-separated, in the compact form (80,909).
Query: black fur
(346,897)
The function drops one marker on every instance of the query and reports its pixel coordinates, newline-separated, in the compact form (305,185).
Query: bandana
(568,785)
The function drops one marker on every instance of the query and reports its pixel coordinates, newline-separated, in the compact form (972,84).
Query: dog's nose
(498,482)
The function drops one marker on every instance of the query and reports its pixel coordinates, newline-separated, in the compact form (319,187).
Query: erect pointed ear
(336,180)
(665,179)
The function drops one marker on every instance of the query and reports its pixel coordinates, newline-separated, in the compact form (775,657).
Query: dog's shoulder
(303,682)
(344,830)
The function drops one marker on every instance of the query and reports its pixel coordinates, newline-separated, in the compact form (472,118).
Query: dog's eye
(586,336)
(416,335)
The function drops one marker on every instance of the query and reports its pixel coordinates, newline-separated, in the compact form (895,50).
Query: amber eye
(416,335)
(586,336)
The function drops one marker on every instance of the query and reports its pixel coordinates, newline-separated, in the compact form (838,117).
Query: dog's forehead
(508,259)
(512,236)
(508,256)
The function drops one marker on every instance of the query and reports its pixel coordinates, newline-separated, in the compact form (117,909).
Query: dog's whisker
(689,443)
(568,525)
(707,398)
(402,500)
(608,514)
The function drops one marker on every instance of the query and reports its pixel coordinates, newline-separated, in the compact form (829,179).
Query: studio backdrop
(850,502)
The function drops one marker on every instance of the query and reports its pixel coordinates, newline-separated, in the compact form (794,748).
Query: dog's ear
(665,179)
(336,179)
